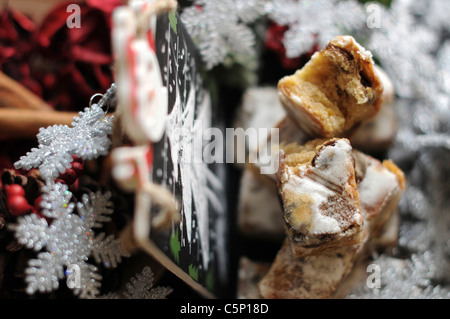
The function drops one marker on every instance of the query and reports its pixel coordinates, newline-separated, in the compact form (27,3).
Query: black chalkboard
(199,244)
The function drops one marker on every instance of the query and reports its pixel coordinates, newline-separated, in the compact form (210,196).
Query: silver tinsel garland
(219,28)
(313,22)
(420,70)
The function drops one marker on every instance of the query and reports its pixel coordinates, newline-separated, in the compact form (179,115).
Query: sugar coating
(312,277)
(346,40)
(319,195)
(328,178)
(376,185)
(261,108)
(331,162)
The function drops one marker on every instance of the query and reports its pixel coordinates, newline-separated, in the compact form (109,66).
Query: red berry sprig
(16,201)
(37,209)
(72,174)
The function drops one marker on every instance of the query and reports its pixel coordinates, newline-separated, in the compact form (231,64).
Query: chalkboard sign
(196,247)
(199,245)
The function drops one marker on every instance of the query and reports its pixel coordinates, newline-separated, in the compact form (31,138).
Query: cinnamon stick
(26,123)
(15,95)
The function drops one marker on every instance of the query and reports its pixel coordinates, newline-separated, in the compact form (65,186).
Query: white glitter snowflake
(219,28)
(68,240)
(87,139)
(312,22)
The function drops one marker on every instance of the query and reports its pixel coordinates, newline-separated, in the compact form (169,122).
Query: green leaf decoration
(210,279)
(193,272)
(175,246)
(173,21)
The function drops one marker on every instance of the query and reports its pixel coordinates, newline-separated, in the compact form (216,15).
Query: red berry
(18,205)
(77,159)
(77,167)
(69,176)
(76,185)
(14,189)
(59,180)
(37,203)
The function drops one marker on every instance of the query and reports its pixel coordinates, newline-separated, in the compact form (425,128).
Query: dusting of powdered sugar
(377,183)
(332,162)
(331,166)
(319,194)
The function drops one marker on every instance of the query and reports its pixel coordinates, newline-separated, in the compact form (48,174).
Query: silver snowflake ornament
(68,240)
(87,139)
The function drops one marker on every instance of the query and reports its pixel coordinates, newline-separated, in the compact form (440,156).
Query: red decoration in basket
(63,65)
(80,58)
(16,47)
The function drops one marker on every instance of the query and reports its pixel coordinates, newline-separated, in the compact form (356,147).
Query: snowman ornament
(142,107)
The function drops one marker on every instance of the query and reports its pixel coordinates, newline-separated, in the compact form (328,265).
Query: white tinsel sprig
(316,21)
(141,287)
(220,28)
